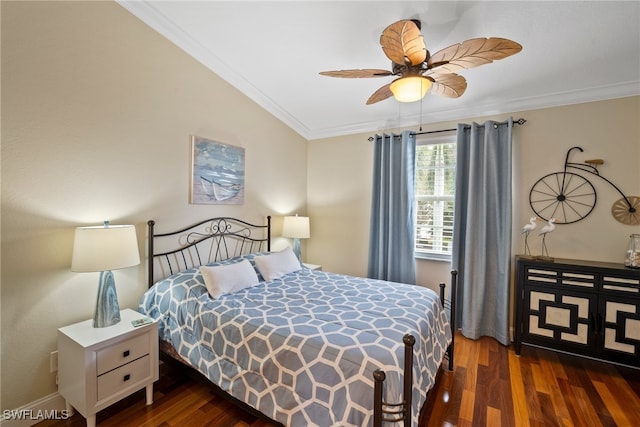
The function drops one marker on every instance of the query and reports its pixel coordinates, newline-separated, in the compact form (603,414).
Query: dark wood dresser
(586,308)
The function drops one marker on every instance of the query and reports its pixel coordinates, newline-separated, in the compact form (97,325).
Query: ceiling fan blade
(448,85)
(380,95)
(403,43)
(472,53)
(356,74)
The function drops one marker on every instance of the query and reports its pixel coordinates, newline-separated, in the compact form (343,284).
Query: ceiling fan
(418,70)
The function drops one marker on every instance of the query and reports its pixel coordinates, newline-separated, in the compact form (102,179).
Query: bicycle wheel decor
(568,197)
(627,211)
(565,196)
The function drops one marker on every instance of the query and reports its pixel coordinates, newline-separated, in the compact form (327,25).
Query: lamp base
(107,309)
(296,248)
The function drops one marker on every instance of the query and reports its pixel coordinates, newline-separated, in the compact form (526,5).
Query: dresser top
(582,263)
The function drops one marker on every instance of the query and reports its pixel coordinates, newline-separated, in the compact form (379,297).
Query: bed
(301,346)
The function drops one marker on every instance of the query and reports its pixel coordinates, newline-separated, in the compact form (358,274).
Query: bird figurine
(543,232)
(528,228)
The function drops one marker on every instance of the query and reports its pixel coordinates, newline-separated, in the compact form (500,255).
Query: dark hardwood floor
(490,386)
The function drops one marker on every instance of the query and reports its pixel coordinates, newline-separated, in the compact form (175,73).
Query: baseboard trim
(49,407)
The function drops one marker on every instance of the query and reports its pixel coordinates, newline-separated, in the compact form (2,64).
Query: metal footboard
(385,412)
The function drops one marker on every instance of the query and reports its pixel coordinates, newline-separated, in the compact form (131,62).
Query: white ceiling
(573,52)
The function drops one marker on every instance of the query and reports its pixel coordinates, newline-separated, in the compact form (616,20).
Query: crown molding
(152,17)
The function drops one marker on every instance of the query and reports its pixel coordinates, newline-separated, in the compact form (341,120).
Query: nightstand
(312,266)
(99,366)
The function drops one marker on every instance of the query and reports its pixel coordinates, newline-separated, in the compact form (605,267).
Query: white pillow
(277,264)
(229,278)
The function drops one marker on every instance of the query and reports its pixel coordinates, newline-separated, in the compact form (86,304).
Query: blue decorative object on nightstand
(107,309)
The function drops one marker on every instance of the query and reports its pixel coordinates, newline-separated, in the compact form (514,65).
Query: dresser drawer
(557,277)
(625,285)
(121,353)
(125,376)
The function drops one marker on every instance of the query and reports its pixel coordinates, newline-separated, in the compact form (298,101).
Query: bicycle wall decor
(569,196)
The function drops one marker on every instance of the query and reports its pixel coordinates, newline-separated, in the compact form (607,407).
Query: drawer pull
(127,377)
(125,353)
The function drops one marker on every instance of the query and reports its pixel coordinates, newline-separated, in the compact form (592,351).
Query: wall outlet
(53,361)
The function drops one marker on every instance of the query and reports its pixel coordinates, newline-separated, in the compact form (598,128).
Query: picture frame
(217,172)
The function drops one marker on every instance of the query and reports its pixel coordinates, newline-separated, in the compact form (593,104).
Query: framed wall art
(217,172)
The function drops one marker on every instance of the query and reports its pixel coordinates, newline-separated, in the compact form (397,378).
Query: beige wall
(339,183)
(97,110)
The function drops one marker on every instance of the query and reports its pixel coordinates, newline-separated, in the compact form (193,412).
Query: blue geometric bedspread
(302,349)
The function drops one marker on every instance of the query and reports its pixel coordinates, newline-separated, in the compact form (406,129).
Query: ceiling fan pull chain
(421,102)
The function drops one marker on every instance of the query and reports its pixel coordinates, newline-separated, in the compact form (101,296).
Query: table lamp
(296,227)
(105,248)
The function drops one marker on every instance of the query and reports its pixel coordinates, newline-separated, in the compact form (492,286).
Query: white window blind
(434,197)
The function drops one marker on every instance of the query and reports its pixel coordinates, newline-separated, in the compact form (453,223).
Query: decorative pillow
(277,264)
(228,278)
(250,257)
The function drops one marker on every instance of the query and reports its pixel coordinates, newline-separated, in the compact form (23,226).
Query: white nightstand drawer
(125,376)
(121,353)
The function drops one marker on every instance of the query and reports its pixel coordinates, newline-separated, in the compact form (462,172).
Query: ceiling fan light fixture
(410,89)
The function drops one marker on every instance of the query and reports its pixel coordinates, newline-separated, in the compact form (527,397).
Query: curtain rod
(520,121)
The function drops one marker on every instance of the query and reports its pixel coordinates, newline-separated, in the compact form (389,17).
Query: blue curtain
(391,237)
(482,229)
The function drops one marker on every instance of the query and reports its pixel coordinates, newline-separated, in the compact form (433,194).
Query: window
(434,193)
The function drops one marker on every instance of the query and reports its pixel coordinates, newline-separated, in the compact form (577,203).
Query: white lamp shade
(296,227)
(105,248)
(410,89)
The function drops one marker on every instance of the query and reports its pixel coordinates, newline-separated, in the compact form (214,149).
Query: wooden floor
(490,386)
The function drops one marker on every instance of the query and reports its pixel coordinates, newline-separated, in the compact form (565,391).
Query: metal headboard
(211,240)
